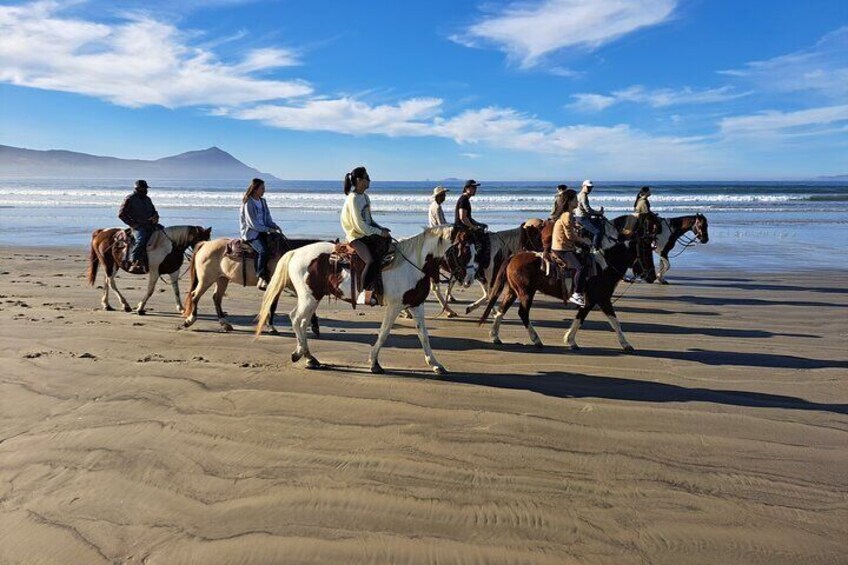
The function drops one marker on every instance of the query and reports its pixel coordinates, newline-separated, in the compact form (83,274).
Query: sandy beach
(126,440)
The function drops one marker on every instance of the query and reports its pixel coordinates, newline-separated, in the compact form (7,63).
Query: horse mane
(181,235)
(511,237)
(413,245)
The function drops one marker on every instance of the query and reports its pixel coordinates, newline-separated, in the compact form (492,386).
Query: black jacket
(137,210)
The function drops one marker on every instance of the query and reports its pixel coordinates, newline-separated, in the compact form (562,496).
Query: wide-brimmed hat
(141,183)
(588,183)
(439,190)
(471,183)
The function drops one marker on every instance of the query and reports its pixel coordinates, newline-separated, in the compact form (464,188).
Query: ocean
(762,226)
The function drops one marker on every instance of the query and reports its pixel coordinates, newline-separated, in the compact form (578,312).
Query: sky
(511,90)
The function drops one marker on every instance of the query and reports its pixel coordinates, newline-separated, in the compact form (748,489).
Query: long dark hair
(642,192)
(254,184)
(352,177)
(570,195)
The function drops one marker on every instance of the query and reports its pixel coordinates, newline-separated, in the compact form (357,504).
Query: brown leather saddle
(344,257)
(122,243)
(241,251)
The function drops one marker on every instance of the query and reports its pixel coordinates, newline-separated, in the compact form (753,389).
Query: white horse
(406,284)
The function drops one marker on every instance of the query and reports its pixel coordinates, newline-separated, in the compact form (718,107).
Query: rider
(436,216)
(642,206)
(365,235)
(585,214)
(138,213)
(565,237)
(559,202)
(464,221)
(256,225)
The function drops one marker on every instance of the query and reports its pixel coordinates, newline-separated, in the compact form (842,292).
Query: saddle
(240,251)
(123,243)
(345,258)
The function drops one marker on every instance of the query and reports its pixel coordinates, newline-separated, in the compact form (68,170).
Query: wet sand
(723,440)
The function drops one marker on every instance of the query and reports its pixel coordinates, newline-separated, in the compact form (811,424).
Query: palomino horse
(164,257)
(523,275)
(671,230)
(406,284)
(210,265)
(503,245)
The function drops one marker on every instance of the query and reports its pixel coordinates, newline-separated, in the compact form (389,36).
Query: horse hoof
(377,369)
(141,312)
(538,345)
(439,370)
(467,310)
(273,331)
(452,314)
(663,281)
(497,341)
(295,357)
(629,349)
(313,363)
(108,308)
(127,309)
(225,327)
(573,347)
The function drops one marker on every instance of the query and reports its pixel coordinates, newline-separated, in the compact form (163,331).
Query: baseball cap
(471,182)
(588,183)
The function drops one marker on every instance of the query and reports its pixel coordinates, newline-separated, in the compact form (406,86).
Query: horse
(406,284)
(210,265)
(671,230)
(523,276)
(503,245)
(165,254)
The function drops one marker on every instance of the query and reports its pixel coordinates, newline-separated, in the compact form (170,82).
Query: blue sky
(537,89)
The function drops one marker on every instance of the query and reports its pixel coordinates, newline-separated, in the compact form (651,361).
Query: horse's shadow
(731,301)
(741,285)
(650,328)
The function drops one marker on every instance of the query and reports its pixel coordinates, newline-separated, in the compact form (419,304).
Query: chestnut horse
(523,276)
(165,254)
(406,284)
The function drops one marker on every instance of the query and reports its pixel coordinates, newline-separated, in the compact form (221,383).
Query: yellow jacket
(565,233)
(356,217)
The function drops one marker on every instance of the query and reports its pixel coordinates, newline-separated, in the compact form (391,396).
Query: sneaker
(366,298)
(262,284)
(577,299)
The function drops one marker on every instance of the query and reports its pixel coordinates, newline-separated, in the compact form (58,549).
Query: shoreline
(724,439)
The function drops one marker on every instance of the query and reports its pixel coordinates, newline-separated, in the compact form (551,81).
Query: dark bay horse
(523,276)
(165,254)
(672,229)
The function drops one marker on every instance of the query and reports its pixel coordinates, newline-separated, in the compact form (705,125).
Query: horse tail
(495,291)
(188,309)
(279,281)
(93,260)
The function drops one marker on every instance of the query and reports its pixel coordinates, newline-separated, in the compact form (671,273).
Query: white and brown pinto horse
(406,284)
(503,245)
(210,265)
(165,254)
(671,230)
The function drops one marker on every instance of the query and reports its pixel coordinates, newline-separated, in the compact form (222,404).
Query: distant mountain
(834,177)
(206,164)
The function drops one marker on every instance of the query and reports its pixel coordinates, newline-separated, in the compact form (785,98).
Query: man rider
(464,221)
(138,213)
(585,214)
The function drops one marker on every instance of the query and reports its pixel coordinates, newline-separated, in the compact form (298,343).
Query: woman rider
(363,234)
(566,236)
(256,225)
(642,206)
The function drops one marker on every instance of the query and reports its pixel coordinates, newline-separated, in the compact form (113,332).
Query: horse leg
(392,311)
(175,284)
(218,298)
(151,285)
(506,303)
(104,301)
(316,329)
(271,329)
(524,304)
(299,316)
(424,338)
(476,304)
(570,337)
(110,282)
(665,265)
(201,286)
(606,307)
(443,301)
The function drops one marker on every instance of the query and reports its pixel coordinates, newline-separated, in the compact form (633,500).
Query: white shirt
(436,215)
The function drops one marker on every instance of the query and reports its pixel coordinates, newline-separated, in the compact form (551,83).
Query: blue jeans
(591,225)
(261,249)
(142,236)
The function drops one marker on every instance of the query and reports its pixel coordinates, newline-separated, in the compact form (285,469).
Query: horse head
(701,228)
(532,234)
(199,234)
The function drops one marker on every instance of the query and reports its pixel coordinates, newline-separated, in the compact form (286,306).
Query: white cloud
(137,62)
(527,31)
(346,115)
(657,98)
(773,125)
(822,68)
